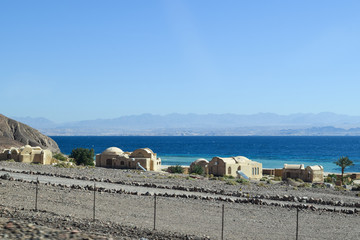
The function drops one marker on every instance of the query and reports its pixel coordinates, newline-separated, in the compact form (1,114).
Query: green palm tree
(343,162)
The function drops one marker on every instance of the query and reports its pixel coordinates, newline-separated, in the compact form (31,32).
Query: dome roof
(148,150)
(113,151)
(201,160)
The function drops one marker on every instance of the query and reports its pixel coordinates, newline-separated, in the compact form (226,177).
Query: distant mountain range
(263,124)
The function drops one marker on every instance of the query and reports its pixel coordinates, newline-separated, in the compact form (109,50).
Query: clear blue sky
(76,60)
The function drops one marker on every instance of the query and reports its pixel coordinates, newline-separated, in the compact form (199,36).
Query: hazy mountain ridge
(206,124)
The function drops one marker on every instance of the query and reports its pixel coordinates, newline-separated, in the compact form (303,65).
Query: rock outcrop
(16,134)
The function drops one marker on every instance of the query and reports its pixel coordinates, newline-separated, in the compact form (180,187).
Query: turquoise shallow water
(272,152)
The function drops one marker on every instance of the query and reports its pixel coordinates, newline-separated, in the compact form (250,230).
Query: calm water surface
(272,152)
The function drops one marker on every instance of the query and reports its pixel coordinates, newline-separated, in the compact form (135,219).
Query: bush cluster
(83,156)
(60,156)
(176,169)
(197,169)
(64,165)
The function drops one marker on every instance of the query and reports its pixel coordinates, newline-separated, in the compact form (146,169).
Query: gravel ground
(128,216)
(165,179)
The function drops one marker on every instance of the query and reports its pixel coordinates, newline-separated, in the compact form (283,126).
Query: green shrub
(339,188)
(64,165)
(229,177)
(10,160)
(261,184)
(176,169)
(318,185)
(242,181)
(197,169)
(347,180)
(299,180)
(331,178)
(277,179)
(231,182)
(83,156)
(263,179)
(60,156)
(305,185)
(269,181)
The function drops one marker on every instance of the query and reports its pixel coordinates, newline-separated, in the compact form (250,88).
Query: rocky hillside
(16,134)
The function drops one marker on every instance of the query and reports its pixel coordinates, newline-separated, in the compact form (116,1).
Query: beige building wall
(27,154)
(229,166)
(308,174)
(293,171)
(115,158)
(314,174)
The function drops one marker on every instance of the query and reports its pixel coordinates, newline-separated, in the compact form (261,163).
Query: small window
(229,170)
(122,163)
(239,168)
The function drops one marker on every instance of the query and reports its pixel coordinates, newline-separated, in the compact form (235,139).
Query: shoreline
(325,173)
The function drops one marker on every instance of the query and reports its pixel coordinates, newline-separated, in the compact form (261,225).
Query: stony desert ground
(186,208)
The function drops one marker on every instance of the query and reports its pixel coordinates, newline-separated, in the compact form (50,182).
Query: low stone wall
(240,197)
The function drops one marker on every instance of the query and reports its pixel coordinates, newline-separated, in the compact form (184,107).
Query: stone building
(235,166)
(27,154)
(114,157)
(203,163)
(314,174)
(293,171)
(308,174)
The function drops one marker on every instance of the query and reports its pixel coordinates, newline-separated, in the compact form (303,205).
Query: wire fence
(214,219)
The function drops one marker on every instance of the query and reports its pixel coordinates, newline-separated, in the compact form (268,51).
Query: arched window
(239,168)
(229,170)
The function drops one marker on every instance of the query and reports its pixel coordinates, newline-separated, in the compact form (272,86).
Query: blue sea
(272,152)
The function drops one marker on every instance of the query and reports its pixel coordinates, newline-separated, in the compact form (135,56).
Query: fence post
(94,201)
(297,223)
(222,222)
(154,211)
(36,194)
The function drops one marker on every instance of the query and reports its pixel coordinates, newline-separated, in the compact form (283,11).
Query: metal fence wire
(214,219)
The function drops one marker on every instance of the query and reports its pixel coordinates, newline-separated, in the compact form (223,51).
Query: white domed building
(142,158)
